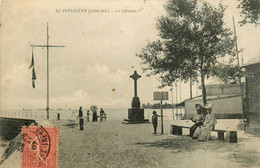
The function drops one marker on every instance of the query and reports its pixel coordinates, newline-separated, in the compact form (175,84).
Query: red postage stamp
(39,147)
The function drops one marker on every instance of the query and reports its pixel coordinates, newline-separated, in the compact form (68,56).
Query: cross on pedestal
(135,77)
(135,113)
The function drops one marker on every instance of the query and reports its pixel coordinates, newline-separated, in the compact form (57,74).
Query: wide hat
(208,106)
(199,105)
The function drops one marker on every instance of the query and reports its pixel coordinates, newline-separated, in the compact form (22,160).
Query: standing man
(80,112)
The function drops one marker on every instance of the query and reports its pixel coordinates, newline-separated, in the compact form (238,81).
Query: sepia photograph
(130,84)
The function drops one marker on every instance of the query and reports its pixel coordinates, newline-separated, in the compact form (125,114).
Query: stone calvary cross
(135,113)
(135,77)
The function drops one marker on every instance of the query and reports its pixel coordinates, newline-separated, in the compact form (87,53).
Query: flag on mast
(33,71)
(32,62)
(33,77)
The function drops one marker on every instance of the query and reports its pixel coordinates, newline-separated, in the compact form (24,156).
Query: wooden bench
(231,136)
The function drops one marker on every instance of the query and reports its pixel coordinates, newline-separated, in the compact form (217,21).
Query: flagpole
(172,103)
(176,85)
(240,83)
(47,46)
(48,108)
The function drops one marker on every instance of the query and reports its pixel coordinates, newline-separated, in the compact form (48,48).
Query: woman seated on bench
(198,118)
(203,132)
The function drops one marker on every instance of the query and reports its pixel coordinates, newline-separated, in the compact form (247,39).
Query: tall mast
(48,108)
(236,41)
(240,83)
(47,46)
(172,102)
(176,85)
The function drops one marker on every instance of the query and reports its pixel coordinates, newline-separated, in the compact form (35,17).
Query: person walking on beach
(80,113)
(88,115)
(101,113)
(155,121)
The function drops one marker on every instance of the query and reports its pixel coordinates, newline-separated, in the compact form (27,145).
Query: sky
(99,56)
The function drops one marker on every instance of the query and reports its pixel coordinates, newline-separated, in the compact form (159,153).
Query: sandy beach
(112,144)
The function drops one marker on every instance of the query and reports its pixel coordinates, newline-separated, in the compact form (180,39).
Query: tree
(192,38)
(229,73)
(250,11)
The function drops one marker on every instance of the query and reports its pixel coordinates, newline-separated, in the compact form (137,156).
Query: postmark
(39,147)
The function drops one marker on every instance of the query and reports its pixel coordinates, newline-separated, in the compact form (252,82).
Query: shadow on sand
(185,143)
(180,142)
(235,152)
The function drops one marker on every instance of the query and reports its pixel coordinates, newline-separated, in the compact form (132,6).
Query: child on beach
(101,114)
(155,121)
(105,116)
(88,115)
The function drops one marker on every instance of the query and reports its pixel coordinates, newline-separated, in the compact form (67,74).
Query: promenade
(112,144)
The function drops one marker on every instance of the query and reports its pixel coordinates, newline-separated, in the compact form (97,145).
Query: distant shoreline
(59,109)
(158,108)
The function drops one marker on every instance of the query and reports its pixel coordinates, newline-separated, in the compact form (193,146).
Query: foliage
(192,38)
(229,73)
(250,11)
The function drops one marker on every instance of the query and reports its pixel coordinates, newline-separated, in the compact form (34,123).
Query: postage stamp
(39,147)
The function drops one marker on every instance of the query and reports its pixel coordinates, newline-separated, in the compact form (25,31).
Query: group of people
(102,114)
(204,121)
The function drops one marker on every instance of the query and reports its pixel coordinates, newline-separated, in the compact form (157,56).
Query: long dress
(94,118)
(88,116)
(203,132)
(198,122)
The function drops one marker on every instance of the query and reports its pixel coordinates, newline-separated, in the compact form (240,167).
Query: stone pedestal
(135,103)
(135,114)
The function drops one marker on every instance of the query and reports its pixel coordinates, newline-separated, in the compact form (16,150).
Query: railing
(27,114)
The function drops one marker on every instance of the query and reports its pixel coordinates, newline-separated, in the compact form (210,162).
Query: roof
(252,62)
(218,82)
(183,102)
(180,104)
(215,97)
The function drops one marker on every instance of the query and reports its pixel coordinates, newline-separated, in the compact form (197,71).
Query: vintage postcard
(125,84)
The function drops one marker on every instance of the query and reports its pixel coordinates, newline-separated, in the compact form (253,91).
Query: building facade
(225,98)
(252,103)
